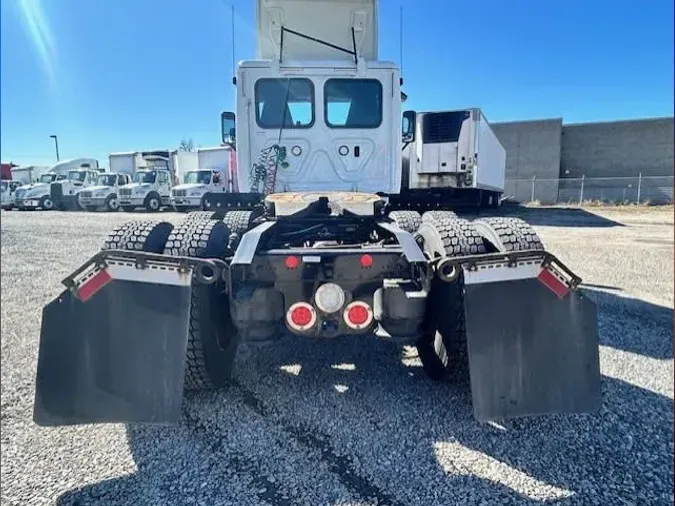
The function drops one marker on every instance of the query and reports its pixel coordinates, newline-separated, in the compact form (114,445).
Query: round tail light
(358,315)
(301,316)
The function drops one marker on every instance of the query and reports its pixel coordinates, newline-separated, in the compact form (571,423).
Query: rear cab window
(353,103)
(284,103)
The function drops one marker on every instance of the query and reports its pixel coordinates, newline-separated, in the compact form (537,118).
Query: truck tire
(153,203)
(238,221)
(148,236)
(212,337)
(201,216)
(409,221)
(46,203)
(432,215)
(508,234)
(445,328)
(111,203)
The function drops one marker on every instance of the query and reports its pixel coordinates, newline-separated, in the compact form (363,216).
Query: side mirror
(227,128)
(408,126)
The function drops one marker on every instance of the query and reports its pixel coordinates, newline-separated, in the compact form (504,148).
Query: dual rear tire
(443,234)
(212,338)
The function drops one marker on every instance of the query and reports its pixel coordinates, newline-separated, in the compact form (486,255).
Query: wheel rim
(154,204)
(48,204)
(113,204)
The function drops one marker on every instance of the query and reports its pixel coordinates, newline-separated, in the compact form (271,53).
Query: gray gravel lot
(355,423)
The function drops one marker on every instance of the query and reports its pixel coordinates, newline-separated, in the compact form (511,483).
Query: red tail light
(366,261)
(301,316)
(358,315)
(292,262)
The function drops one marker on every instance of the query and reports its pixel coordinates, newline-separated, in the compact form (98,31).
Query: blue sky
(129,75)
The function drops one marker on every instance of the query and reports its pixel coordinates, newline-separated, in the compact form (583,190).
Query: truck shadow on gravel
(328,403)
(555,216)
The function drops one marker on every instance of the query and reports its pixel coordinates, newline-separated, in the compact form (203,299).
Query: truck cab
(8,193)
(37,195)
(150,187)
(196,186)
(317,109)
(82,173)
(103,194)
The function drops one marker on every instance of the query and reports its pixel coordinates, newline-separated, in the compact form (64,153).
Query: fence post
(581,193)
(639,187)
(532,194)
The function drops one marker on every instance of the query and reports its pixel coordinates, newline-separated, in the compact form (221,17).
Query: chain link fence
(610,190)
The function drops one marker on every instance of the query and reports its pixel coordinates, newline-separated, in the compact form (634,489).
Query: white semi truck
(38,195)
(210,177)
(163,307)
(82,173)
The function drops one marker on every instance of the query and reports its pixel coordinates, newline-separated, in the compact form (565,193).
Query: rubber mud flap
(119,357)
(531,352)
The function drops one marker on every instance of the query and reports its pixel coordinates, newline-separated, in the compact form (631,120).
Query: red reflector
(301,316)
(366,261)
(93,285)
(553,283)
(358,315)
(292,262)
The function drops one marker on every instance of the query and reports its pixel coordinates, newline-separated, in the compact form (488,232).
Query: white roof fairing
(330,21)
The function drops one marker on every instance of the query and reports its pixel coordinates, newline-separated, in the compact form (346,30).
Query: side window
(353,103)
(163,177)
(121,179)
(216,178)
(287,103)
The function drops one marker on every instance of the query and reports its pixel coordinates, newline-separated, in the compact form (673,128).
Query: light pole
(56,145)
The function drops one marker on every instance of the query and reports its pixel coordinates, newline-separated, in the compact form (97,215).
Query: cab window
(353,103)
(163,177)
(284,103)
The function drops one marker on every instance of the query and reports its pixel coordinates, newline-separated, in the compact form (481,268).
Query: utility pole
(56,145)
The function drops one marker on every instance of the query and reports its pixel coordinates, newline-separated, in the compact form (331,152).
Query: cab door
(163,186)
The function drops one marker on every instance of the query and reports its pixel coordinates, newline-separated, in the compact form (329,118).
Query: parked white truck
(7,196)
(151,186)
(36,194)
(210,177)
(82,173)
(104,194)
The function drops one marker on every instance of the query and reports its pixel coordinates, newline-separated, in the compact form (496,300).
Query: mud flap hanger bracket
(206,271)
(448,268)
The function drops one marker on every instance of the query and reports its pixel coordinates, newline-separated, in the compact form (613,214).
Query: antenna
(400,37)
(234,64)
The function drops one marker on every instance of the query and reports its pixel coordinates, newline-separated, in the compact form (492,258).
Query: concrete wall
(618,149)
(612,155)
(532,149)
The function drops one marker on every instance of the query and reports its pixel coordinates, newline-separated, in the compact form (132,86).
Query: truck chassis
(162,309)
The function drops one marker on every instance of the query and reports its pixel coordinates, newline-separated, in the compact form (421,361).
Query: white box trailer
(28,174)
(184,162)
(455,151)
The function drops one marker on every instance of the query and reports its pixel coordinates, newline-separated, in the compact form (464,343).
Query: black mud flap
(532,344)
(113,352)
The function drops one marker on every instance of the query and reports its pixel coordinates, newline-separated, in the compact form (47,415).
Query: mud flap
(114,350)
(532,342)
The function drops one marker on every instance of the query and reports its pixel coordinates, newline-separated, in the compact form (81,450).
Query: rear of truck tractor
(162,308)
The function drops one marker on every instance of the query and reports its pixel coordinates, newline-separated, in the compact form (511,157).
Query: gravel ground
(355,423)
